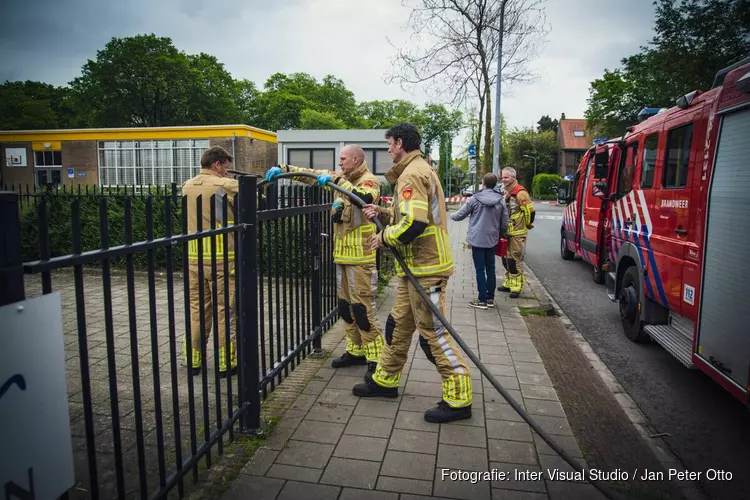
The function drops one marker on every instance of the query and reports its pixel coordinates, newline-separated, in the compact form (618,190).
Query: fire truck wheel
(564,252)
(629,306)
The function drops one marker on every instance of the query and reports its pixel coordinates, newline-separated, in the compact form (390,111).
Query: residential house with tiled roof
(572,143)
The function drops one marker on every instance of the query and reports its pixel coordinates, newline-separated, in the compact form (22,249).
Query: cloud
(51,41)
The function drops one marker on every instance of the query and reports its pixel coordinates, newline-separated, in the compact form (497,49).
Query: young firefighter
(522,213)
(417,225)
(211,181)
(356,271)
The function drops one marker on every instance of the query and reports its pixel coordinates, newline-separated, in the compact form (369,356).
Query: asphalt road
(709,429)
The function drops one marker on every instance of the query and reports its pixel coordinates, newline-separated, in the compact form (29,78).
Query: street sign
(472,165)
(36,459)
(71,173)
(472,150)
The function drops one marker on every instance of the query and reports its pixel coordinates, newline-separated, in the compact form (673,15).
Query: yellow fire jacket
(351,230)
(417,222)
(521,210)
(206,184)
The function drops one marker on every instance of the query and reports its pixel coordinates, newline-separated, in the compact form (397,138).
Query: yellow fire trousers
(410,313)
(357,288)
(206,310)
(513,263)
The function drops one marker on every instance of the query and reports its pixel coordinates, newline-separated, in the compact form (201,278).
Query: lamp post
(533,158)
(496,159)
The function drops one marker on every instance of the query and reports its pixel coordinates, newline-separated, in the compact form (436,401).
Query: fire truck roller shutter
(724,315)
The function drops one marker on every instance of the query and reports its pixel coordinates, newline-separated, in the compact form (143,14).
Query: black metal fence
(142,418)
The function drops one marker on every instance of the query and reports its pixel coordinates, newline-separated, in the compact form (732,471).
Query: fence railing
(135,303)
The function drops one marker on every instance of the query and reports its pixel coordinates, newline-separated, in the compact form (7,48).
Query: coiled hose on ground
(547,439)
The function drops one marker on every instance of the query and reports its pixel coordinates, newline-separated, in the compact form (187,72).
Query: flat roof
(333,135)
(135,133)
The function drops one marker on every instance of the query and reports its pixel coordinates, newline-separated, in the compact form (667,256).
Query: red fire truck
(663,215)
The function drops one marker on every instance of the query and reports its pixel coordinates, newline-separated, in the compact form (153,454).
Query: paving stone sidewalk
(338,446)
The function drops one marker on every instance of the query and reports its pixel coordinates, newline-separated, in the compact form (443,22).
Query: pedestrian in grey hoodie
(488,222)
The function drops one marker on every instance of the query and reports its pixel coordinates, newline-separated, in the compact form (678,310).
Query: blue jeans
(484,263)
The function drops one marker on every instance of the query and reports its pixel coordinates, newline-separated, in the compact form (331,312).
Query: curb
(690,489)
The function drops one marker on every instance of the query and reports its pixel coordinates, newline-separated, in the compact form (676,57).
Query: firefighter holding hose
(417,226)
(356,271)
(522,213)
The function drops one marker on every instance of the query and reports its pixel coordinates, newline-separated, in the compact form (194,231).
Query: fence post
(11,262)
(248,306)
(317,286)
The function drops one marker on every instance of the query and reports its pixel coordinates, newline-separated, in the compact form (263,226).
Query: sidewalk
(338,446)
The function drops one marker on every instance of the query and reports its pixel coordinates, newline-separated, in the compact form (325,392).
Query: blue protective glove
(338,204)
(272,173)
(323,179)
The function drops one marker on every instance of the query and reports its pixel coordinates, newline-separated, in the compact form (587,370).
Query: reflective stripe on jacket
(206,184)
(521,210)
(418,218)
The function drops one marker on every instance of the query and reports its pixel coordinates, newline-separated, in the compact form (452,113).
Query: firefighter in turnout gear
(211,181)
(522,213)
(417,226)
(356,270)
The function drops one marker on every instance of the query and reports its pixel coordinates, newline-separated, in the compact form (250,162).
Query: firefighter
(417,225)
(522,213)
(211,181)
(356,269)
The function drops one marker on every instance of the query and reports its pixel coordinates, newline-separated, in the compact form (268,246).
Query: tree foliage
(520,143)
(463,42)
(145,80)
(546,124)
(694,39)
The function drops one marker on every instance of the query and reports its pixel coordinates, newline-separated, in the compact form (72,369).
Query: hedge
(545,186)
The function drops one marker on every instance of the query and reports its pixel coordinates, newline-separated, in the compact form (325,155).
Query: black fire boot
(515,295)
(370,389)
(370,370)
(348,360)
(232,372)
(503,289)
(443,413)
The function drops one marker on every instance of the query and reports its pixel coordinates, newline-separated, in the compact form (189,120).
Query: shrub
(545,186)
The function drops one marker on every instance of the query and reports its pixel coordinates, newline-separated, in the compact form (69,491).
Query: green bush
(545,186)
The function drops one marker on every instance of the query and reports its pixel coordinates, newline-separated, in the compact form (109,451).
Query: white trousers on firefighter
(410,313)
(357,288)
(205,310)
(513,263)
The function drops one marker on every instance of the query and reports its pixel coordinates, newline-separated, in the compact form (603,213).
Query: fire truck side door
(592,203)
(671,218)
(583,185)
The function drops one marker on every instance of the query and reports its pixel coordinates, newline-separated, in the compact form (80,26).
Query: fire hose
(435,310)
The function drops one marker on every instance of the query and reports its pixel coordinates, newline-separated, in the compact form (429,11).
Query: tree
(463,42)
(319,120)
(385,114)
(694,39)
(145,81)
(437,123)
(33,106)
(540,145)
(546,123)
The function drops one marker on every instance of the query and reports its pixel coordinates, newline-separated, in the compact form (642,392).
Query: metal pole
(496,159)
(11,260)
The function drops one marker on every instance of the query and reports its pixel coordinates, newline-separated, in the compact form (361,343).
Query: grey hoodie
(489,218)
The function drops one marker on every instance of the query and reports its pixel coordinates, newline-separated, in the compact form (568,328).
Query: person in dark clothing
(488,222)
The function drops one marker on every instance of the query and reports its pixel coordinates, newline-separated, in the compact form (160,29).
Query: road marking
(549,217)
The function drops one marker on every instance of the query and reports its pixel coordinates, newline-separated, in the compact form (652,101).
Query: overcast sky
(50,41)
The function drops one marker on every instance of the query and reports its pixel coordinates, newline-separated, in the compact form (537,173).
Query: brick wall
(251,155)
(83,157)
(17,175)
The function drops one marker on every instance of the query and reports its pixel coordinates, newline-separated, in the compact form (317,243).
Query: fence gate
(117,270)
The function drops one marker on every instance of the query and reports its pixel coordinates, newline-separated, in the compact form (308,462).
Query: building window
(578,159)
(317,159)
(677,158)
(144,163)
(649,161)
(578,133)
(378,160)
(47,167)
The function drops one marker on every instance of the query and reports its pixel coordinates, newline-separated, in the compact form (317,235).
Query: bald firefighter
(356,270)
(211,181)
(417,225)
(521,212)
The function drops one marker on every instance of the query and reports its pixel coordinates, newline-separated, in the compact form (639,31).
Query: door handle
(683,232)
